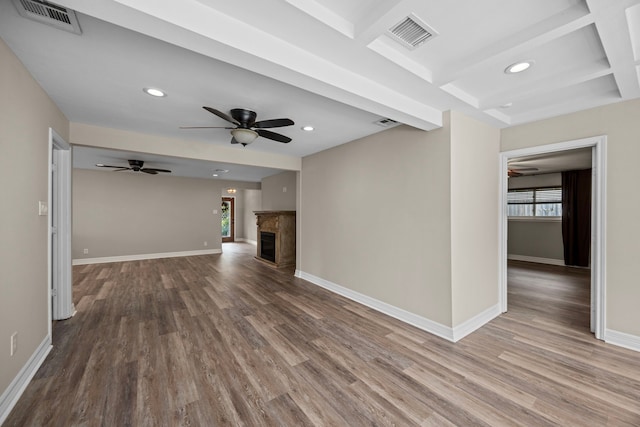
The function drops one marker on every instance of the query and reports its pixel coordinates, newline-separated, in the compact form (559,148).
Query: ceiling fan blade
(121,169)
(519,169)
(272,135)
(222,115)
(205,127)
(273,123)
(234,141)
(108,166)
(149,171)
(155,170)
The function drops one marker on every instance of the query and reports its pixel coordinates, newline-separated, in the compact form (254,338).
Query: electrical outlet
(43,209)
(205,243)
(85,251)
(14,343)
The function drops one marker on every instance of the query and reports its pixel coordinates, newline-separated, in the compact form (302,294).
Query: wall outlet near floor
(14,343)
(205,243)
(85,251)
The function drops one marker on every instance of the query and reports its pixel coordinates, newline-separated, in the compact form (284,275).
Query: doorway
(59,220)
(598,203)
(228,221)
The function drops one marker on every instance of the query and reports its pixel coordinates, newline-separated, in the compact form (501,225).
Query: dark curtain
(576,217)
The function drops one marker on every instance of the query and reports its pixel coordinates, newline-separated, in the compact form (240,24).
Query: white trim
(61,306)
(535,218)
(420,322)
(106,259)
(538,260)
(10,396)
(622,339)
(476,322)
(598,220)
(251,242)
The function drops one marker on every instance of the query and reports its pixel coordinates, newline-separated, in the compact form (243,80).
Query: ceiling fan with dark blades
(247,129)
(136,166)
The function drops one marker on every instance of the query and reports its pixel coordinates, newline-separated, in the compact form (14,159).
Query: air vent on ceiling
(411,32)
(385,123)
(50,14)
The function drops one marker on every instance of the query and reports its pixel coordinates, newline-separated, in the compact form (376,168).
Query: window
(537,202)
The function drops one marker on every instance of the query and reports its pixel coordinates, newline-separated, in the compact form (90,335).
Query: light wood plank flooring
(225,340)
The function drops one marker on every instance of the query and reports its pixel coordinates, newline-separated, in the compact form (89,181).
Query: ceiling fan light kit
(244,136)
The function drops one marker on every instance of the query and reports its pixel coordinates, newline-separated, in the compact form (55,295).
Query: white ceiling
(328,63)
(576,159)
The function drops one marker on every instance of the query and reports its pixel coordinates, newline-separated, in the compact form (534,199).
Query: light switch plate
(43,209)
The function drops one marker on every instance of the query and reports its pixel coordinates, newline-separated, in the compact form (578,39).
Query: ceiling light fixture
(244,136)
(507,105)
(154,92)
(231,190)
(215,174)
(518,67)
(307,128)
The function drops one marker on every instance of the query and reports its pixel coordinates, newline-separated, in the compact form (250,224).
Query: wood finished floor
(225,340)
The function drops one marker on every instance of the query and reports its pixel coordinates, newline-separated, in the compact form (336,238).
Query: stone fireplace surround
(283,226)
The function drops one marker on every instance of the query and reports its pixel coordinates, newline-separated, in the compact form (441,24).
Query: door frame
(598,146)
(59,202)
(232,220)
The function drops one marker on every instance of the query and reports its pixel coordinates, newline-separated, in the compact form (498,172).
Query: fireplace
(276,236)
(268,246)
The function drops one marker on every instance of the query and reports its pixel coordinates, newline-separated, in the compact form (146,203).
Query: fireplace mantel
(280,231)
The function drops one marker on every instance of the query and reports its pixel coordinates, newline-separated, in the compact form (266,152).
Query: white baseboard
(539,260)
(435,328)
(476,322)
(622,339)
(10,396)
(102,260)
(252,242)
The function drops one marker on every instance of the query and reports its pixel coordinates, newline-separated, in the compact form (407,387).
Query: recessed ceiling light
(215,174)
(100,165)
(154,92)
(518,67)
(507,105)
(307,128)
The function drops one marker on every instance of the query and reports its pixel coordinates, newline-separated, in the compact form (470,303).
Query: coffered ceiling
(331,64)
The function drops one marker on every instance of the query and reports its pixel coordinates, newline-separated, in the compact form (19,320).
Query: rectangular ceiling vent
(411,32)
(385,123)
(50,14)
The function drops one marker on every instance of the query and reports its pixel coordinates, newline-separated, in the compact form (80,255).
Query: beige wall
(252,200)
(540,239)
(376,219)
(127,213)
(474,216)
(26,113)
(621,125)
(279,192)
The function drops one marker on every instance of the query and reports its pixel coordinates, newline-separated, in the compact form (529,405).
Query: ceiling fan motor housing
(246,117)
(136,165)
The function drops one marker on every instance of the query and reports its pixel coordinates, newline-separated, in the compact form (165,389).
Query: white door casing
(598,145)
(59,220)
